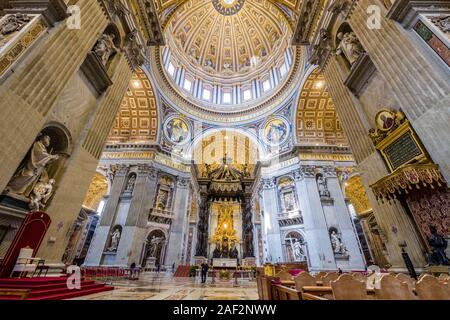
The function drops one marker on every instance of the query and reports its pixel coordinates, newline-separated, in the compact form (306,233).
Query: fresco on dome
(276,131)
(176,130)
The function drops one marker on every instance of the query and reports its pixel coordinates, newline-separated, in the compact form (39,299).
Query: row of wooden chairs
(357,286)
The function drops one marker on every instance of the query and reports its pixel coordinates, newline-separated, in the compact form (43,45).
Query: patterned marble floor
(163,286)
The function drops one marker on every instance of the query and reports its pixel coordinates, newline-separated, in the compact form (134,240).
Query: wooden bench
(285,293)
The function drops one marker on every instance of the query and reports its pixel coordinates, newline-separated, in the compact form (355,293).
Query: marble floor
(163,286)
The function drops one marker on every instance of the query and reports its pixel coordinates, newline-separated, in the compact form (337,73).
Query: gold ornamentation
(97,189)
(129,155)
(225,226)
(16,51)
(406,179)
(356,193)
(386,122)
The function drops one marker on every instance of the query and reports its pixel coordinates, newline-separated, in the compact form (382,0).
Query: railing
(109,274)
(162,213)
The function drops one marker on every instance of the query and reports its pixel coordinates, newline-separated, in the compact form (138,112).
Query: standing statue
(298,251)
(115,238)
(322,185)
(105,47)
(155,243)
(41,193)
(130,183)
(350,46)
(33,169)
(336,243)
(438,244)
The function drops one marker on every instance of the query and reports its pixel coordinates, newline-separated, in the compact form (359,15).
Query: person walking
(205,268)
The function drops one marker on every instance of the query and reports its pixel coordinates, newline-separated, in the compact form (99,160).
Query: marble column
(101,234)
(320,252)
(370,163)
(39,78)
(180,207)
(418,77)
(345,224)
(134,231)
(271,226)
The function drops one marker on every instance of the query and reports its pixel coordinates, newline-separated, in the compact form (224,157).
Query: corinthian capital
(269,183)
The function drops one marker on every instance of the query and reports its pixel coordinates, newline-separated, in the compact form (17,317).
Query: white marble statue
(105,47)
(42,191)
(33,170)
(336,243)
(350,46)
(298,251)
(154,245)
(130,183)
(322,185)
(115,238)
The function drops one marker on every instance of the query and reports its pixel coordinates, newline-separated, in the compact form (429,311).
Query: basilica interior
(282,149)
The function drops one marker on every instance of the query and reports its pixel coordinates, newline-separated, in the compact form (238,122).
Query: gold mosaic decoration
(317,121)
(97,189)
(356,193)
(137,120)
(16,51)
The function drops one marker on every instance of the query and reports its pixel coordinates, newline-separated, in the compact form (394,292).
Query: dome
(231,53)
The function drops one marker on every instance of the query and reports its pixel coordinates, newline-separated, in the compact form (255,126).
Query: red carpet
(50,288)
(182,271)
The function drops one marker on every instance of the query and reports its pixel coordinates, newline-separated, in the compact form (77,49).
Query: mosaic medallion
(176,130)
(228,7)
(276,131)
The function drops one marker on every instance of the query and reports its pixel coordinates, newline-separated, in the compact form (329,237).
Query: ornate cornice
(152,23)
(52,10)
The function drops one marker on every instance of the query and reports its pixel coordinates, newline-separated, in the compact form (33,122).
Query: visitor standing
(205,268)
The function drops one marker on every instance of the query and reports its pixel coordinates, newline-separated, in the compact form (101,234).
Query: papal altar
(224,263)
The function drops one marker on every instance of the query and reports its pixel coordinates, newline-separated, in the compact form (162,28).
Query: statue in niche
(40,194)
(105,47)
(298,251)
(289,201)
(155,243)
(336,243)
(349,46)
(322,185)
(115,238)
(130,183)
(33,169)
(162,199)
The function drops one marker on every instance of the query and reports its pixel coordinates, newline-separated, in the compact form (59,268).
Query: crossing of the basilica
(224,149)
